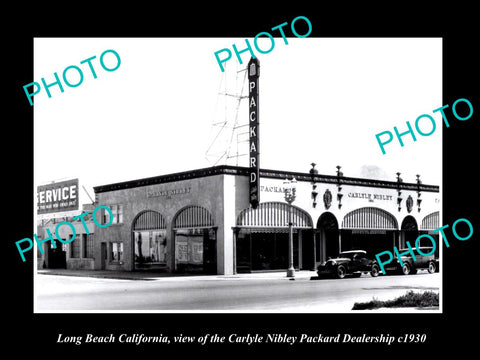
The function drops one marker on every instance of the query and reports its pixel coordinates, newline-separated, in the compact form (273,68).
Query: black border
(456,25)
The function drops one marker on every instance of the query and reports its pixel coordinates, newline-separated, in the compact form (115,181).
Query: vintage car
(354,262)
(411,266)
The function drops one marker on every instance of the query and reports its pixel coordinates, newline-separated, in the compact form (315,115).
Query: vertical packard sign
(57,197)
(253,75)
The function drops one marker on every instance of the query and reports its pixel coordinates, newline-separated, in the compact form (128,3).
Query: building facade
(201,221)
(77,254)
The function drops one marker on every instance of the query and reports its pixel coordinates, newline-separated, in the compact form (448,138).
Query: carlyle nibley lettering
(369,196)
(168,193)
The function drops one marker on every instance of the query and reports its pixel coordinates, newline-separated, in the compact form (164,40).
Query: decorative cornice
(264,173)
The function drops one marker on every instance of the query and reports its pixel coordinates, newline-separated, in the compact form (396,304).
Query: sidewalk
(164,276)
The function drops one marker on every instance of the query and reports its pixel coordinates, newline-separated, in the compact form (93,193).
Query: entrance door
(308,253)
(409,232)
(57,258)
(103,255)
(327,244)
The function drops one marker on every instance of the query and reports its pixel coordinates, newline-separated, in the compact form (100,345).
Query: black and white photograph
(218,183)
(242,182)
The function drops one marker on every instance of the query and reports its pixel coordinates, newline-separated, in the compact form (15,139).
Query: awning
(369,218)
(274,215)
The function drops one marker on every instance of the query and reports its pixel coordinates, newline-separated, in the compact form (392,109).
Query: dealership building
(202,221)
(229,219)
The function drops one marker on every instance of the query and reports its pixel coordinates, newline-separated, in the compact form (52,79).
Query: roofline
(264,173)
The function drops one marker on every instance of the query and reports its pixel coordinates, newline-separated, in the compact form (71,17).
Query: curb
(171,277)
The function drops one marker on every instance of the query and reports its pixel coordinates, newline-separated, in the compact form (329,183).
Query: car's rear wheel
(432,267)
(406,269)
(375,270)
(341,272)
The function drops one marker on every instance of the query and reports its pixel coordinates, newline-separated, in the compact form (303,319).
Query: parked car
(411,266)
(354,262)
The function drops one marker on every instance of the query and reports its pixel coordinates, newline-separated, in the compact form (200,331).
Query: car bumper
(392,268)
(324,271)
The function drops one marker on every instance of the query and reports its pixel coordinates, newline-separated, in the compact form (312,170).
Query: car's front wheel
(341,272)
(432,267)
(406,269)
(375,270)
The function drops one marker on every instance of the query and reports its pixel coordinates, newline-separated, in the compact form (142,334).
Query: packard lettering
(272,189)
(253,74)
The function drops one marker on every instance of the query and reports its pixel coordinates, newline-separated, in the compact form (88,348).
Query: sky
(322,100)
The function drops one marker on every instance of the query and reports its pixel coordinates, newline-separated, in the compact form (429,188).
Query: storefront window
(88,242)
(189,248)
(150,248)
(195,250)
(75,249)
(116,249)
(258,250)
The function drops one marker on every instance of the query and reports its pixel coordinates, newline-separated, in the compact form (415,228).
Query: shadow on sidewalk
(111,274)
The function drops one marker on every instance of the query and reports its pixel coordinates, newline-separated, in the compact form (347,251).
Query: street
(223,293)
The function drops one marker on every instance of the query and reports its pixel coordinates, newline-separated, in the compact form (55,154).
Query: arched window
(149,240)
(193,217)
(431,221)
(148,220)
(274,214)
(369,218)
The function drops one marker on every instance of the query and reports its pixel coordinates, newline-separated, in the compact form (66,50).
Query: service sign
(57,197)
(253,74)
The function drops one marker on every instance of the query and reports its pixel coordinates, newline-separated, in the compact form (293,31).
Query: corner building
(201,221)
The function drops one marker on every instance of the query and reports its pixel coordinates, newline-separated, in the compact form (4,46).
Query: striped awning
(431,221)
(369,218)
(193,217)
(273,215)
(149,220)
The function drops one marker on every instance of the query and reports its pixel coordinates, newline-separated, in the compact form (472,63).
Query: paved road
(66,293)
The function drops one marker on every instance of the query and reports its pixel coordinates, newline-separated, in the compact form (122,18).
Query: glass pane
(150,248)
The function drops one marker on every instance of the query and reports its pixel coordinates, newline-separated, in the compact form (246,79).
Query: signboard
(57,197)
(188,248)
(181,250)
(253,75)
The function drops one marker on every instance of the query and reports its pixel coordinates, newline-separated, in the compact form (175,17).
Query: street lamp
(290,187)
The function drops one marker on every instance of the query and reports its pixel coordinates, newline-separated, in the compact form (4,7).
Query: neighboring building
(78,254)
(201,221)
